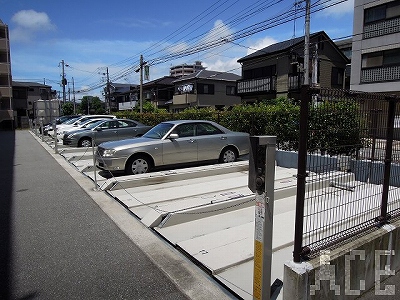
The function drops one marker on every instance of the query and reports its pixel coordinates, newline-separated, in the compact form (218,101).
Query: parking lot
(206,212)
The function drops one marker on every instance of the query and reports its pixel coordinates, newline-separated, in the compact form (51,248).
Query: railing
(344,191)
(390,73)
(382,28)
(267,84)
(295,81)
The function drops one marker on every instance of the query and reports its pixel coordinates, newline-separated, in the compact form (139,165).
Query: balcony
(380,74)
(4,68)
(5,92)
(295,81)
(382,28)
(261,85)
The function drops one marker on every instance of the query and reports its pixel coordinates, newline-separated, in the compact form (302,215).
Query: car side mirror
(173,136)
(99,129)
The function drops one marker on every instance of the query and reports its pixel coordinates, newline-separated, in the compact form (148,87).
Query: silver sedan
(173,142)
(105,130)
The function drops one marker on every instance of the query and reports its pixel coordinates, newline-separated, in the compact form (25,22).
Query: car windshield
(70,121)
(93,124)
(87,122)
(158,131)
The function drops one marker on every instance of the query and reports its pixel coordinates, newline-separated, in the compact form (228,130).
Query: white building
(185,69)
(376,46)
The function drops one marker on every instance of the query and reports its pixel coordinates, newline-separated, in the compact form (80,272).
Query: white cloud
(33,20)
(177,48)
(220,31)
(260,44)
(29,22)
(340,9)
(227,65)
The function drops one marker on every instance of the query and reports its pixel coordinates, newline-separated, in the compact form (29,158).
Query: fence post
(301,173)
(384,216)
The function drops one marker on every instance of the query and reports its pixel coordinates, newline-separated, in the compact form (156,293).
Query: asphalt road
(57,243)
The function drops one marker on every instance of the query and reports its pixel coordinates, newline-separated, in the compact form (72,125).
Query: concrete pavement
(64,240)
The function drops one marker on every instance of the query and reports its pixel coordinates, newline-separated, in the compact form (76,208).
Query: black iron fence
(348,178)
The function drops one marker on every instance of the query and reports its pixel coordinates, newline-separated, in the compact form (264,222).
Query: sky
(93,36)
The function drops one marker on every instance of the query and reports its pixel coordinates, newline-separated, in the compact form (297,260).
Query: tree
(91,105)
(67,108)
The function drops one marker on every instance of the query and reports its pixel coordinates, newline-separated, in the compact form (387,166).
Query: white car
(75,123)
(83,125)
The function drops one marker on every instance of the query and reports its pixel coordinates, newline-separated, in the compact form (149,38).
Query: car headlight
(109,152)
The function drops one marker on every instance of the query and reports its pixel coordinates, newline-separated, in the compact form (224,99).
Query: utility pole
(141,83)
(314,82)
(108,91)
(307,44)
(140,69)
(63,81)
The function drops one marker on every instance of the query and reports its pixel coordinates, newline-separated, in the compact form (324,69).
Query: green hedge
(334,128)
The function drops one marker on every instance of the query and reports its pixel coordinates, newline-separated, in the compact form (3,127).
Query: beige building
(205,89)
(6,109)
(375,63)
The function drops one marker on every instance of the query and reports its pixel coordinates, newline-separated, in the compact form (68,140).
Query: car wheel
(138,165)
(85,142)
(228,155)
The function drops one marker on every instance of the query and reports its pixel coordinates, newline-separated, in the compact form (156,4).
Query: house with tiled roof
(205,88)
(278,70)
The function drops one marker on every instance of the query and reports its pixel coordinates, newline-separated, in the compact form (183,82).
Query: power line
(240,34)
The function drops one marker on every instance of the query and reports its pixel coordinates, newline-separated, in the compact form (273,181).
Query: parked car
(173,142)
(76,122)
(82,126)
(105,130)
(58,121)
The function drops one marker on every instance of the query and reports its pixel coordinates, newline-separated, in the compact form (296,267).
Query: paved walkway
(61,240)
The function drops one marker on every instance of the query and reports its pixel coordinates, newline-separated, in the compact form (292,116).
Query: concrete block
(321,163)
(286,159)
(347,271)
(361,169)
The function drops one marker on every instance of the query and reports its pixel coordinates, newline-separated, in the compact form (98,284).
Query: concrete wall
(348,271)
(315,162)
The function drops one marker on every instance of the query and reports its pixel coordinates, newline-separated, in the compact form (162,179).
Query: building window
(381,59)
(380,66)
(205,88)
(263,72)
(231,90)
(337,77)
(382,12)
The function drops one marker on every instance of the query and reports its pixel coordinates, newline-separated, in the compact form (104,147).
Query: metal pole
(264,222)
(73,93)
(41,129)
(307,45)
(55,138)
(383,218)
(301,174)
(94,163)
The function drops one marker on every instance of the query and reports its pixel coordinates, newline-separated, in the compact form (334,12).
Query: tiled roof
(279,47)
(214,75)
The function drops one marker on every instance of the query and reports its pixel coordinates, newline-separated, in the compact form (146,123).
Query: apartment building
(6,110)
(376,46)
(185,69)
